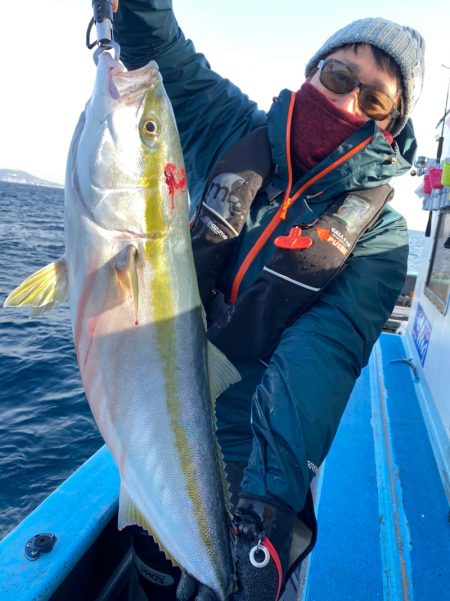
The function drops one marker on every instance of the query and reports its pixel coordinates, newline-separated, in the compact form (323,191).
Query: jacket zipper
(288,201)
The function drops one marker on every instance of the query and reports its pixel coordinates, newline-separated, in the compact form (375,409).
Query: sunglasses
(339,78)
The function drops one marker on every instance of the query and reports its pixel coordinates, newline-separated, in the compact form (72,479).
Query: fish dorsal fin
(42,290)
(222,372)
(130,515)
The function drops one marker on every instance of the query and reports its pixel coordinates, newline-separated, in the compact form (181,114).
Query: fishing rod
(446,111)
(441,139)
(425,162)
(103,21)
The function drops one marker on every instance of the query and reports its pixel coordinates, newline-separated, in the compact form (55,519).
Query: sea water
(46,428)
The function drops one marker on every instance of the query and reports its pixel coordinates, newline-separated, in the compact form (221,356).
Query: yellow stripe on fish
(163,305)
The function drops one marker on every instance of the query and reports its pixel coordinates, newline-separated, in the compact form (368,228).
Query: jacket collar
(375,164)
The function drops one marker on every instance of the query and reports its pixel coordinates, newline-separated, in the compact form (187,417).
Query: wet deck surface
(384,531)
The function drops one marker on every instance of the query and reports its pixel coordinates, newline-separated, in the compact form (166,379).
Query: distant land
(15,176)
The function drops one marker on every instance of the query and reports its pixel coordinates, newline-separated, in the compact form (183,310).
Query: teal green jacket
(282,418)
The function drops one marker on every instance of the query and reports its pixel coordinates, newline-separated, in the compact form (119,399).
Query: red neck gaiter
(318,127)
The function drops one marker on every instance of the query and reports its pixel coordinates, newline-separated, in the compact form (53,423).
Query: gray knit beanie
(404,44)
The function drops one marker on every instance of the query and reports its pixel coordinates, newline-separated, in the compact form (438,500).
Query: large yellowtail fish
(148,372)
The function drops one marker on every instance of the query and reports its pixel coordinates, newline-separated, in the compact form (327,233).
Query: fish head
(126,161)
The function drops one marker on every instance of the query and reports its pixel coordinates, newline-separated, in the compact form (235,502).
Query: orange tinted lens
(337,77)
(375,103)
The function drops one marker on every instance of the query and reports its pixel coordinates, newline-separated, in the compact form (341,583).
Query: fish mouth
(129,84)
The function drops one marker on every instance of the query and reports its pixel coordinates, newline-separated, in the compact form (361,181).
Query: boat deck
(384,532)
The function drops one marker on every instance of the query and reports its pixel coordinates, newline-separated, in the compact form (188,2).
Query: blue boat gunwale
(76,521)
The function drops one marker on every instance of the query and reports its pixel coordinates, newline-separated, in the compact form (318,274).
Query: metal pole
(439,149)
(441,137)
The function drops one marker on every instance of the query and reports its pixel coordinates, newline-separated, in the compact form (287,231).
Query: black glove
(264,536)
(190,589)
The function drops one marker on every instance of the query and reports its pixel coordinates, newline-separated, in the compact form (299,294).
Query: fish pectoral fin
(39,310)
(222,372)
(42,290)
(126,274)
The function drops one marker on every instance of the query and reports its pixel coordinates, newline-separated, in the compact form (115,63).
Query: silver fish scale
(147,384)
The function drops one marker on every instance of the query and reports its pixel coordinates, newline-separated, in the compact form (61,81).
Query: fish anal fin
(126,274)
(130,515)
(42,289)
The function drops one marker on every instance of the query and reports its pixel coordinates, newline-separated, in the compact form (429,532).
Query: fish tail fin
(41,290)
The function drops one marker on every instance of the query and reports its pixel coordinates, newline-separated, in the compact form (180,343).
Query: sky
(48,73)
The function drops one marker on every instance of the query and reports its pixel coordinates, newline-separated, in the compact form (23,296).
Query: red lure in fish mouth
(175,179)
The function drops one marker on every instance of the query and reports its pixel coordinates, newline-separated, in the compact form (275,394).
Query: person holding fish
(299,259)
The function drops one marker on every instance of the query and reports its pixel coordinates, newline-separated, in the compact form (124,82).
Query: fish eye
(149,128)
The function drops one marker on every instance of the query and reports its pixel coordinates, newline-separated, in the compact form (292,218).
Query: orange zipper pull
(285,206)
